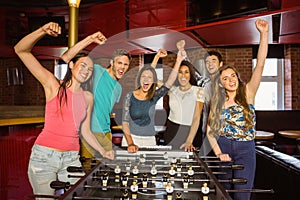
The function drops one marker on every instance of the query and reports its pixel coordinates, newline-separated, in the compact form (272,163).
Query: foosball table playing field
(149,174)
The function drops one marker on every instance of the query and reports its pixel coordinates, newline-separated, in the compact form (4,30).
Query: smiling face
(119,65)
(229,80)
(184,75)
(146,80)
(82,70)
(212,64)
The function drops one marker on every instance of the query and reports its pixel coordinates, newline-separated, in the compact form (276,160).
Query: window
(60,69)
(270,94)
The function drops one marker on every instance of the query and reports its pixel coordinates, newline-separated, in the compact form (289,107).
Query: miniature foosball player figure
(125,195)
(205,189)
(173,161)
(178,196)
(127,167)
(185,182)
(165,180)
(117,173)
(169,190)
(178,167)
(172,173)
(143,159)
(124,179)
(135,172)
(134,190)
(191,175)
(165,155)
(145,182)
(104,178)
(153,172)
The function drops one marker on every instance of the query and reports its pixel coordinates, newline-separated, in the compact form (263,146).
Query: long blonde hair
(220,96)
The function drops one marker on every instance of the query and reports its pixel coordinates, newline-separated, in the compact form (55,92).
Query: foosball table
(159,173)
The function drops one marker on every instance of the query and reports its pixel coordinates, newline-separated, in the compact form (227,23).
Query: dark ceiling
(146,26)
(45,3)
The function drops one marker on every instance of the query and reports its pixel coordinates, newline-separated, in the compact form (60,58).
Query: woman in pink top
(68,110)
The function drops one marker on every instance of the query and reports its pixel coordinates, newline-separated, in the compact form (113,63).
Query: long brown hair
(152,90)
(67,81)
(220,96)
(193,80)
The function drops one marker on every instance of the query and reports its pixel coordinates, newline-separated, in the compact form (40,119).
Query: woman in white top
(185,102)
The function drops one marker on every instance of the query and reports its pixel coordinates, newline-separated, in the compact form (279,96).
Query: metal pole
(73,26)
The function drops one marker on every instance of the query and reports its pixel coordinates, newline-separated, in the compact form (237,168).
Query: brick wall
(291,77)
(295,74)
(30,93)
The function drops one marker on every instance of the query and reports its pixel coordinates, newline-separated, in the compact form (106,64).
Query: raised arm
(181,55)
(253,84)
(23,49)
(97,38)
(160,54)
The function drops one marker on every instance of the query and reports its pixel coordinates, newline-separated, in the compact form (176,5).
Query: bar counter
(21,120)
(17,115)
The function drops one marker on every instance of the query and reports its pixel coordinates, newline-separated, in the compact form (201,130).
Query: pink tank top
(62,124)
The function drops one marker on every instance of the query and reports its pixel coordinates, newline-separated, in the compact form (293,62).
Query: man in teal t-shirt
(106,89)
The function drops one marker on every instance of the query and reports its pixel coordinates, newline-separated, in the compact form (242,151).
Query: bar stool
(117,129)
(117,134)
(293,135)
(264,138)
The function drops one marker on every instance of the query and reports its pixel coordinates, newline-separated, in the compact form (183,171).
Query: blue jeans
(243,153)
(47,165)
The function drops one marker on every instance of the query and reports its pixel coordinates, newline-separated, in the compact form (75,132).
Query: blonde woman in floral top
(231,127)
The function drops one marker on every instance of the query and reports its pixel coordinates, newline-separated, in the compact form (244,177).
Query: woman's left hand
(224,157)
(98,38)
(188,147)
(262,25)
(181,55)
(161,53)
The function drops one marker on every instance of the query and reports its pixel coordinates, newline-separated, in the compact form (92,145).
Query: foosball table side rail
(220,192)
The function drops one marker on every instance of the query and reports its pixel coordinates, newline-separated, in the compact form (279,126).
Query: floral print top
(233,123)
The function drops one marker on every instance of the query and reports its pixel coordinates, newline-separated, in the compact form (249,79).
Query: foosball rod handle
(73,169)
(239,181)
(33,196)
(57,185)
(252,190)
(234,181)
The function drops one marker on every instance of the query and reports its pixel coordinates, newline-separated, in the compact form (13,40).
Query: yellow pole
(73,26)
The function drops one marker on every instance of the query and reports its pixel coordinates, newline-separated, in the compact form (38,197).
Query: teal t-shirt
(107,91)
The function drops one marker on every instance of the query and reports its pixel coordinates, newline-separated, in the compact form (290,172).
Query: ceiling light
(74,3)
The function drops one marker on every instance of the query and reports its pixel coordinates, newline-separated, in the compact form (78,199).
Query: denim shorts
(47,165)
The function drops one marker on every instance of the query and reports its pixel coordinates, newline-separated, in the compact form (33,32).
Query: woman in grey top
(139,105)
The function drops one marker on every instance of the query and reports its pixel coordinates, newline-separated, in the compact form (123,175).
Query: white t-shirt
(182,104)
